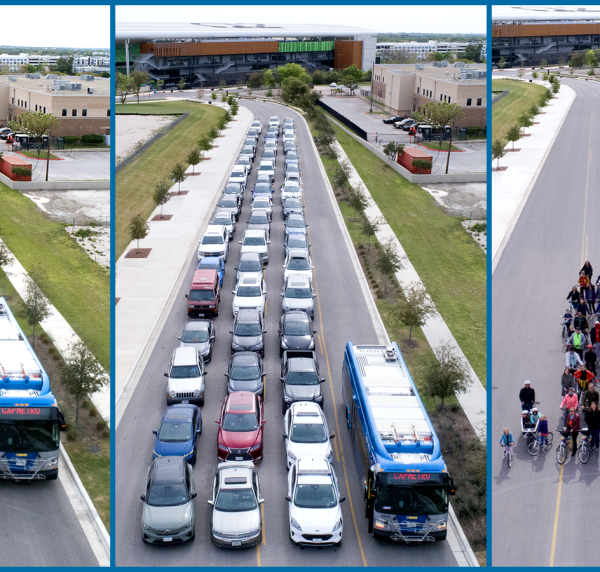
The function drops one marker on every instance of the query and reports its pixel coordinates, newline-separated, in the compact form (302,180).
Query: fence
(350,124)
(147,144)
(498,97)
(100,220)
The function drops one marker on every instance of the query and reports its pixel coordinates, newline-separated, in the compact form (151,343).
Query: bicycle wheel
(561,454)
(534,447)
(584,453)
(549,438)
(509,459)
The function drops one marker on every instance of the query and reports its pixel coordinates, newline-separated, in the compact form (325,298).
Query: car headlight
(442,525)
(196,392)
(287,399)
(292,456)
(188,525)
(223,448)
(206,352)
(380,524)
(330,456)
(189,454)
(319,398)
(155,453)
(312,344)
(146,527)
(284,344)
(338,525)
(237,347)
(256,347)
(295,524)
(256,447)
(173,393)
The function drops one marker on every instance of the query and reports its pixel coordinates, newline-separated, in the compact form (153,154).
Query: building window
(418,91)
(25,104)
(13,101)
(44,110)
(108,113)
(468,101)
(74,112)
(449,98)
(36,106)
(441,97)
(479,101)
(84,113)
(64,112)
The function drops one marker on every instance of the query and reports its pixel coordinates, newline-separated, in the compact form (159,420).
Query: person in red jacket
(572,426)
(569,401)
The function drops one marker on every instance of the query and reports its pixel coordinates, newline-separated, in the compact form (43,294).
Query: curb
(34,158)
(465,547)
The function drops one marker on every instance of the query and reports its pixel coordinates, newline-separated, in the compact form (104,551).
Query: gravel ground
(465,200)
(64,206)
(134,130)
(97,245)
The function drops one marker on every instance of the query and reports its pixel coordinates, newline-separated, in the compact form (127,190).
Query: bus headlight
(442,525)
(380,524)
(52,461)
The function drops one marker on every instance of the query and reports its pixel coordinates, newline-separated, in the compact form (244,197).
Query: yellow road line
(258,553)
(266,302)
(587,186)
(337,426)
(554,532)
(320,343)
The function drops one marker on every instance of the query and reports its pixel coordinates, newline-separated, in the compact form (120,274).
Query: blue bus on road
(30,420)
(405,481)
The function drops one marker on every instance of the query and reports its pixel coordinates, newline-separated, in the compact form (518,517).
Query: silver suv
(186,377)
(298,294)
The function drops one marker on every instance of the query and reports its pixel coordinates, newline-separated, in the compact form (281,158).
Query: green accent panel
(306,46)
(134,52)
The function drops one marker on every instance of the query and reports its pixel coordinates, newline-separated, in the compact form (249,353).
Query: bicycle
(508,454)
(564,447)
(535,447)
(584,449)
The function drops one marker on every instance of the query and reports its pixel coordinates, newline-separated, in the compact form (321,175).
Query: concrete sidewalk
(511,187)
(436,331)
(140,312)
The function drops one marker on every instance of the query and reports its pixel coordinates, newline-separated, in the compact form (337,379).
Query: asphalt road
(341,315)
(38,527)
(541,511)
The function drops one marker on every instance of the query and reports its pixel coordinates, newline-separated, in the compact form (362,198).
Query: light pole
(372,71)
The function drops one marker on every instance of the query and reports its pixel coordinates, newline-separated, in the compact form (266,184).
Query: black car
(296,332)
(246,373)
(300,378)
(199,334)
(247,333)
(394,119)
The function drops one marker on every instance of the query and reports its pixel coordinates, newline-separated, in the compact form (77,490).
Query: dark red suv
(240,435)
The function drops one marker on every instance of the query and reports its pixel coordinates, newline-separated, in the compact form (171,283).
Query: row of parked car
(313,495)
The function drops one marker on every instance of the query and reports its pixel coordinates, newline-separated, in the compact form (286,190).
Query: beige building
(404,88)
(81,111)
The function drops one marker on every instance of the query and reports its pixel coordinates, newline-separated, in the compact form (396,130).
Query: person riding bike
(587,269)
(583,281)
(578,340)
(572,426)
(583,377)
(569,401)
(589,397)
(527,396)
(573,297)
(592,419)
(543,429)
(506,439)
(566,381)
(572,359)
(590,359)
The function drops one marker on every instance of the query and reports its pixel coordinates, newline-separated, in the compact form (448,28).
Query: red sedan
(240,435)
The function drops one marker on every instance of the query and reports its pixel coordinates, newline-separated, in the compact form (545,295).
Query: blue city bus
(405,481)
(30,420)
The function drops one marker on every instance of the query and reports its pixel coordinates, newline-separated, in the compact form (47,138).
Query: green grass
(448,261)
(135,182)
(520,99)
(34,155)
(435,146)
(78,287)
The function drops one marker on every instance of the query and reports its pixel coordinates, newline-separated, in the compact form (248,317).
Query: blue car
(262,189)
(213,263)
(178,433)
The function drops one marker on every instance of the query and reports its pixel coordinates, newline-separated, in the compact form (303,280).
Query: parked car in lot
(314,503)
(391,120)
(246,373)
(177,435)
(292,206)
(298,294)
(236,519)
(267,168)
(250,263)
(226,219)
(5,132)
(300,378)
(238,175)
(213,263)
(256,241)
(248,333)
(263,203)
(409,123)
(204,294)
(296,332)
(246,162)
(291,189)
(185,378)
(259,220)
(240,435)
(230,204)
(250,292)
(298,262)
(306,433)
(199,334)
(169,493)
(295,240)
(215,241)
(295,224)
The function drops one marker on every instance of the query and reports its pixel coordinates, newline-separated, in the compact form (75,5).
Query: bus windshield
(414,500)
(29,436)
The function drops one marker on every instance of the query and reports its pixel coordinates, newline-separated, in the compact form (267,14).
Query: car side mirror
(210,501)
(314,331)
(342,499)
(166,375)
(268,242)
(194,495)
(143,497)
(282,294)
(264,331)
(284,436)
(288,498)
(212,337)
(332,436)
(198,431)
(218,421)
(155,432)
(235,268)
(261,501)
(226,374)
(240,241)
(205,373)
(179,338)
(314,295)
(233,292)
(322,380)
(186,295)
(282,378)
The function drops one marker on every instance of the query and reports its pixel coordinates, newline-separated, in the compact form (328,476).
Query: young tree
(292,70)
(578,60)
(204,144)
(501,63)
(138,79)
(393,149)
(269,93)
(415,307)
(213,133)
(268,79)
(525,121)
(498,151)
(439,114)
(233,108)
(294,90)
(82,375)
(6,257)
(161,194)
(591,72)
(513,134)
(256,80)
(178,174)
(35,124)
(520,73)
(193,158)
(230,100)
(222,123)
(213,96)
(138,229)
(223,97)
(351,77)
(435,56)
(37,306)
(535,75)
(446,374)
(181,84)
(358,200)
(590,58)
(533,111)
(369,228)
(543,64)
(556,85)
(388,261)
(123,86)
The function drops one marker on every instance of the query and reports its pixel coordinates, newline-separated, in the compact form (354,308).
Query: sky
(438,19)
(56,26)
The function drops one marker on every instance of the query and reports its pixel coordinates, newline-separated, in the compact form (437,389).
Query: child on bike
(507,439)
(543,429)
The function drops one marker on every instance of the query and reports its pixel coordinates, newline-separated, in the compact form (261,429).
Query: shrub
(93,413)
(100,425)
(85,404)
(421,164)
(71,435)
(70,140)
(56,356)
(21,171)
(51,350)
(92,139)
(106,434)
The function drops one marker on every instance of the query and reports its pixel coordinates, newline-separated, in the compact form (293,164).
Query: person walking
(592,419)
(590,359)
(527,396)
(587,269)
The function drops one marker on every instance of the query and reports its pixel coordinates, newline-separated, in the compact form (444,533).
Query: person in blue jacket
(506,438)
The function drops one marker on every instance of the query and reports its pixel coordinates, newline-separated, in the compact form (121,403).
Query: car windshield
(254,241)
(292,168)
(195,336)
(172,432)
(222,221)
(262,188)
(270,144)
(298,264)
(184,371)
(212,266)
(228,204)
(250,266)
(240,422)
(245,372)
(17,436)
(245,329)
(308,433)
(293,203)
(212,239)
(248,291)
(259,219)
(295,223)
(416,500)
(297,242)
(249,141)
(315,496)
(235,500)
(201,295)
(302,378)
(258,204)
(298,292)
(269,153)
(296,328)
(265,168)
(167,494)
(232,188)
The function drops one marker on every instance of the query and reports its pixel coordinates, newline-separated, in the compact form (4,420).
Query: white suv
(315,515)
(238,175)
(250,292)
(306,433)
(215,242)
(267,167)
(186,377)
(255,240)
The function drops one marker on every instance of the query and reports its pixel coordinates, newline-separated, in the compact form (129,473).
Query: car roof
(248,315)
(296,280)
(214,229)
(250,255)
(197,326)
(313,465)
(250,279)
(263,212)
(168,469)
(298,253)
(185,356)
(296,316)
(224,214)
(295,215)
(254,232)
(244,358)
(243,401)
(235,471)
(210,260)
(307,412)
(178,413)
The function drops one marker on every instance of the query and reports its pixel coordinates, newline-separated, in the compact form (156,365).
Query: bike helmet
(527,382)
(525,412)
(534,410)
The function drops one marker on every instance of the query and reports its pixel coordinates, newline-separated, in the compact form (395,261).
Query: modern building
(15,62)
(422,49)
(205,54)
(526,35)
(81,105)
(404,88)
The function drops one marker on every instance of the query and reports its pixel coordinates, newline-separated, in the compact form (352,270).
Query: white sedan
(306,433)
(250,292)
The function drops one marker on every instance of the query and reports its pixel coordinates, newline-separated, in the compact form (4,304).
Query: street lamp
(372,71)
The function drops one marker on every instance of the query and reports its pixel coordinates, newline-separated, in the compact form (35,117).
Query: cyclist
(590,359)
(583,377)
(527,396)
(587,269)
(574,296)
(570,400)
(595,336)
(578,339)
(572,359)
(567,380)
(506,439)
(590,299)
(589,397)
(592,418)
(583,281)
(543,429)
(567,324)
(572,426)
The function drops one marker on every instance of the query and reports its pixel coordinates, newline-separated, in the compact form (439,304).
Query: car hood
(202,347)
(287,272)
(179,449)
(303,392)
(253,302)
(247,248)
(212,247)
(247,341)
(297,342)
(316,520)
(236,522)
(167,517)
(309,449)
(260,226)
(299,303)
(233,439)
(252,385)
(187,384)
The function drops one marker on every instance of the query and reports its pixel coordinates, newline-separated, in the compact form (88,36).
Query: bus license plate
(168,539)
(236,543)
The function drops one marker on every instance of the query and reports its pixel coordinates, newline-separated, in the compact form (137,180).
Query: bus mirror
(451,486)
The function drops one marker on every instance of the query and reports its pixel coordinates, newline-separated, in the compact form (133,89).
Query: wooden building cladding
(175,49)
(528,30)
(346,53)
